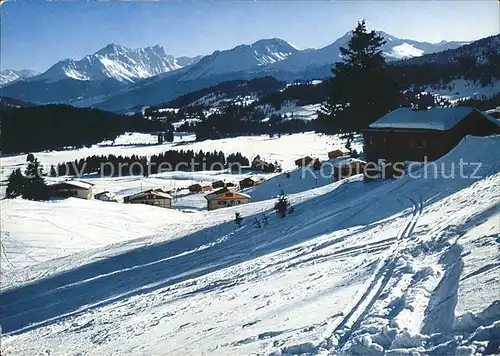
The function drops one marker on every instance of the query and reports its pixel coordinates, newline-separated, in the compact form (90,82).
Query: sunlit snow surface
(391,267)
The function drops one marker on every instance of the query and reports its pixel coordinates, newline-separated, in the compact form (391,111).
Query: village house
(407,134)
(304,161)
(106,196)
(248,182)
(218,184)
(155,197)
(224,198)
(72,188)
(195,188)
(258,164)
(347,168)
(316,163)
(336,154)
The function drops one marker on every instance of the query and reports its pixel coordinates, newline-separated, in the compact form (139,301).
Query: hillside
(481,50)
(397,267)
(9,103)
(36,128)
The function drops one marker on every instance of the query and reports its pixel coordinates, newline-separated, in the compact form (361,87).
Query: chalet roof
(254,179)
(303,158)
(440,119)
(105,193)
(337,151)
(347,161)
(221,191)
(155,192)
(74,183)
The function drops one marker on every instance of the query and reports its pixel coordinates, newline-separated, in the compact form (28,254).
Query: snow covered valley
(397,267)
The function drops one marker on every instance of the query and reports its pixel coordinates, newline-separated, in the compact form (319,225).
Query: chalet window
(386,140)
(371,140)
(219,202)
(420,143)
(229,195)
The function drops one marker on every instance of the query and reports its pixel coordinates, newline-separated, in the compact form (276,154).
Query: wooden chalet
(259,164)
(316,163)
(336,154)
(195,188)
(407,134)
(347,168)
(106,196)
(224,198)
(248,182)
(155,197)
(304,161)
(72,188)
(218,184)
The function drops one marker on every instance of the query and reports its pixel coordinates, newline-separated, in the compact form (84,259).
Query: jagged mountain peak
(11,75)
(114,62)
(245,57)
(112,48)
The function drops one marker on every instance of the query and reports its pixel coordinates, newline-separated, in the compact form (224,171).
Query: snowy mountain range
(10,75)
(117,78)
(116,62)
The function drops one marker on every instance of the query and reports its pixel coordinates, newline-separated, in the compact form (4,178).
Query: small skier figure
(238,219)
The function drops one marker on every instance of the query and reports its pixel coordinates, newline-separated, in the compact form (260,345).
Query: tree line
(112,165)
(54,127)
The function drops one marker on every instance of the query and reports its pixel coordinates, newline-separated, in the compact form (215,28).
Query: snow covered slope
(458,89)
(10,75)
(115,62)
(398,267)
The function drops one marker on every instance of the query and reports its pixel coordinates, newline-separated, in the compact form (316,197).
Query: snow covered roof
(440,119)
(74,183)
(219,192)
(106,194)
(155,192)
(255,179)
(344,161)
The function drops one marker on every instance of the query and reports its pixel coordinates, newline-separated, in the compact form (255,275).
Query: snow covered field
(292,111)
(285,149)
(408,266)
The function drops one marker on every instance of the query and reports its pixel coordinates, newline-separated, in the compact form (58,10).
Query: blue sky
(35,35)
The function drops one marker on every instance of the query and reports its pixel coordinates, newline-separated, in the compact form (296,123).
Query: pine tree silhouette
(362,89)
(34,183)
(15,184)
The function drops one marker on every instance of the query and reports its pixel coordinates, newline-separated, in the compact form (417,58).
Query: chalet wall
(224,203)
(162,203)
(73,192)
(396,145)
(408,145)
